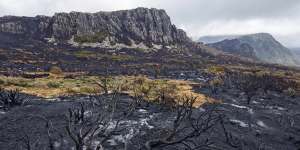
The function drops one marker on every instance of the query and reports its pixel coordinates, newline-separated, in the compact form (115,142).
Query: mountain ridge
(215,38)
(260,46)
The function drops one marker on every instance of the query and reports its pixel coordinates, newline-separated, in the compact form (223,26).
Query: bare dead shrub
(186,127)
(252,82)
(11,98)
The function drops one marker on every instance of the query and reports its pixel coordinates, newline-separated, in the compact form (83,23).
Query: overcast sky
(198,17)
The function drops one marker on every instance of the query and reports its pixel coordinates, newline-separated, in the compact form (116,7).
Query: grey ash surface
(270,122)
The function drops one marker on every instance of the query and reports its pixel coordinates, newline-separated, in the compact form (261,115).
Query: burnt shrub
(250,83)
(35,75)
(264,81)
(11,98)
(290,92)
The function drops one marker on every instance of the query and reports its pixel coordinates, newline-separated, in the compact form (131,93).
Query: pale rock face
(11,27)
(151,26)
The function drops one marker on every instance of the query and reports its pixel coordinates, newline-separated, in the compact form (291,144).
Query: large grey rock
(138,25)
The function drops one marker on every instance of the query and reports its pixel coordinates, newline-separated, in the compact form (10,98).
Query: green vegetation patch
(52,84)
(19,83)
(141,49)
(91,38)
(85,54)
(93,54)
(2,82)
(216,69)
(121,58)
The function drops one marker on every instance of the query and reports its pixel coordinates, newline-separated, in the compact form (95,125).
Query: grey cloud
(205,10)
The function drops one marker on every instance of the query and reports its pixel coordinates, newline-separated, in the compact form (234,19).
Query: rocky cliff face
(260,46)
(152,26)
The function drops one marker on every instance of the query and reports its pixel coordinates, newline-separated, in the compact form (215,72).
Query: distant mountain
(261,46)
(216,38)
(296,52)
(236,47)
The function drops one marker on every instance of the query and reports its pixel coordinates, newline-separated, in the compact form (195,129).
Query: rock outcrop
(261,46)
(151,26)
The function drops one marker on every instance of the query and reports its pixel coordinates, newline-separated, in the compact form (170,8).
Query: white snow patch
(144,122)
(134,127)
(241,123)
(88,113)
(51,99)
(234,100)
(142,111)
(202,79)
(129,123)
(202,109)
(112,142)
(112,125)
(250,111)
(123,138)
(276,108)
(131,134)
(50,40)
(281,108)
(262,124)
(119,138)
(155,46)
(57,144)
(96,143)
(239,106)
(2,112)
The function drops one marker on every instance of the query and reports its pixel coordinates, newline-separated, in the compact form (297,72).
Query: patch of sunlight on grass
(149,89)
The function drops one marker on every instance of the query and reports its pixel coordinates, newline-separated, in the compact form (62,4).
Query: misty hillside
(216,38)
(296,51)
(262,46)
